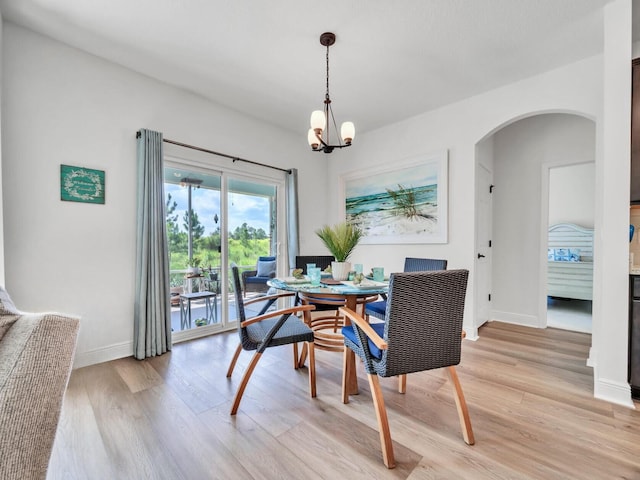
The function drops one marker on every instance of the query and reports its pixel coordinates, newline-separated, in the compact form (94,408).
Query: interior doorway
(570,202)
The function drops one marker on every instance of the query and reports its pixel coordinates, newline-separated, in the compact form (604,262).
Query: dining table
(332,292)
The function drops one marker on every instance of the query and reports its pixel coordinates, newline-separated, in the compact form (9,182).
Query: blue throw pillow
(265,269)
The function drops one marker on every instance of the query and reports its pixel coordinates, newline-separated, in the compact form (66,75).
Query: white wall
(520,151)
(611,240)
(458,128)
(2,275)
(575,88)
(63,106)
(571,192)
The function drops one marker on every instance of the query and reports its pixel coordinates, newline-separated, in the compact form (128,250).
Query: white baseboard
(104,354)
(515,318)
(591,361)
(612,391)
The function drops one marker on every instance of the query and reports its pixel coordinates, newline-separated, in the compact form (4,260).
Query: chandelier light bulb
(347,132)
(313,139)
(318,121)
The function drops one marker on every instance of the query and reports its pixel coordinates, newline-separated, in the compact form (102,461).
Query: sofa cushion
(266,268)
(8,312)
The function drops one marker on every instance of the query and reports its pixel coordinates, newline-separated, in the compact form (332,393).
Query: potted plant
(194,266)
(340,240)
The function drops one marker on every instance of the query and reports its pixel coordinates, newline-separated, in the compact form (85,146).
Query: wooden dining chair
(422,330)
(269,329)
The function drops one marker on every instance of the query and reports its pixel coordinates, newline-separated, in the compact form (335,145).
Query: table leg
(183,314)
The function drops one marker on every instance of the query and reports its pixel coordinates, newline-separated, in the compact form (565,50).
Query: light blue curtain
(293,236)
(152,315)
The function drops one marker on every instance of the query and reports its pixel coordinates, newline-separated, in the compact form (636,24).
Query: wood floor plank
(529,394)
(79,451)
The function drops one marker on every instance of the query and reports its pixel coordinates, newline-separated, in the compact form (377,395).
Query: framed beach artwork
(406,203)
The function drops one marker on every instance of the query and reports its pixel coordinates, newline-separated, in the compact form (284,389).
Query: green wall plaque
(78,184)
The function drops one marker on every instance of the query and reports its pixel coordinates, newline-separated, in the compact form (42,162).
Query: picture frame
(80,184)
(406,203)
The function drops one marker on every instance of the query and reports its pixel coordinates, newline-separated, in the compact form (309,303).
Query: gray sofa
(36,356)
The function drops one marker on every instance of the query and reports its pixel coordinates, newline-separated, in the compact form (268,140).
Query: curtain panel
(152,315)
(293,236)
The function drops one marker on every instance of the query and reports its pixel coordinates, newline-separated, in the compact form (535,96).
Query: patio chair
(256,280)
(377,309)
(422,331)
(269,329)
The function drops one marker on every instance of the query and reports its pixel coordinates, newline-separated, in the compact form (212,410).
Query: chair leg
(232,365)
(461,405)
(312,369)
(402,383)
(243,383)
(383,421)
(303,355)
(296,363)
(346,365)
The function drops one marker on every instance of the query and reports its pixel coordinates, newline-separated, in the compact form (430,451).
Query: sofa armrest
(36,357)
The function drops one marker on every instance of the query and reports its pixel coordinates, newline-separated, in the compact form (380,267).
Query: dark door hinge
(491,188)
(489,297)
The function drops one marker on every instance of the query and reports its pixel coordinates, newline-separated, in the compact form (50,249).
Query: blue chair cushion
(377,309)
(256,279)
(377,327)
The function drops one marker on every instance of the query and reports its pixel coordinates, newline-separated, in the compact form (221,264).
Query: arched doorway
(515,156)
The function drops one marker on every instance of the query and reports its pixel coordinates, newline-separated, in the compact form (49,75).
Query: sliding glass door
(215,220)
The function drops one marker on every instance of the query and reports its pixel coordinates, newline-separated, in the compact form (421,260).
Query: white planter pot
(340,270)
(193,271)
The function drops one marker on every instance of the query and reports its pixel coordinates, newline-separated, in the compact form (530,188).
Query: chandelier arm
(335,126)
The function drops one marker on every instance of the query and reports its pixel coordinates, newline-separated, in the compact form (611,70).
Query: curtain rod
(235,159)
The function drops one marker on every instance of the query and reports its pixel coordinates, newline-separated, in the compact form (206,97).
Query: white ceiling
(392,59)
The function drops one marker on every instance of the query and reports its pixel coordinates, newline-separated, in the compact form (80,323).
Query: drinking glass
(378,274)
(310,265)
(357,267)
(314,275)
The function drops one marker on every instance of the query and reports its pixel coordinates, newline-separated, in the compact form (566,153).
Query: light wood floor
(529,395)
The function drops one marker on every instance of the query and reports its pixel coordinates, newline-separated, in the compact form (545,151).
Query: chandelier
(318,135)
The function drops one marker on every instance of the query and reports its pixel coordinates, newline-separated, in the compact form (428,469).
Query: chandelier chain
(327,96)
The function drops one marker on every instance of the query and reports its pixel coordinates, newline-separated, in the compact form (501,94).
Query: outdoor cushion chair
(377,309)
(422,331)
(256,280)
(269,329)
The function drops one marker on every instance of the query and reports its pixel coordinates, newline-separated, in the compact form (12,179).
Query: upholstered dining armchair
(377,309)
(422,331)
(256,280)
(321,261)
(269,329)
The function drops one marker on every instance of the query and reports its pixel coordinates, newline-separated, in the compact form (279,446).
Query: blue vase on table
(631,230)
